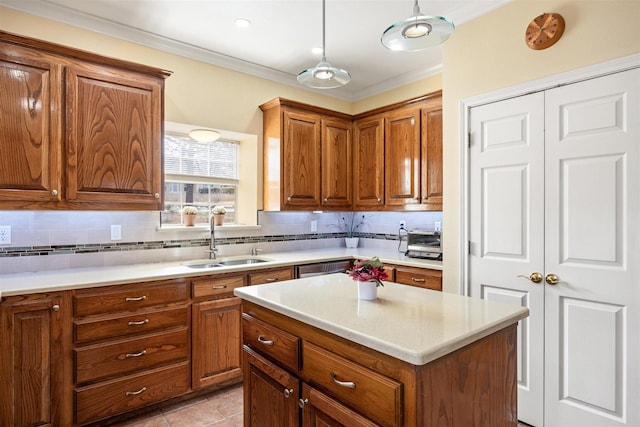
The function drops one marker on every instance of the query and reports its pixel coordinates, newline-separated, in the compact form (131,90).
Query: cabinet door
(32,361)
(336,163)
(30,128)
(368,153)
(402,157)
(301,159)
(270,393)
(216,342)
(321,410)
(114,138)
(431,167)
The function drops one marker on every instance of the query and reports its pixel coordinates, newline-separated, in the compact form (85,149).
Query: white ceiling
(278,44)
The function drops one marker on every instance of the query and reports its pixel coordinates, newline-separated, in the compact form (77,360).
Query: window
(200,174)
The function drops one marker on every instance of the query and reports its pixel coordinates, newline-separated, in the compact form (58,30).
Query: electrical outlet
(116,232)
(314,225)
(403,224)
(438,226)
(5,234)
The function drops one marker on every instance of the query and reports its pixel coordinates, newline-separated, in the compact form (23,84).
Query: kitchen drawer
(129,355)
(103,400)
(130,323)
(130,298)
(217,286)
(421,277)
(269,340)
(377,397)
(270,276)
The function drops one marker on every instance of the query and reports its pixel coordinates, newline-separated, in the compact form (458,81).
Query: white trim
(561,79)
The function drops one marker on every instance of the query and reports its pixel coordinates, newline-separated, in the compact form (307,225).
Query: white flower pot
(351,242)
(367,291)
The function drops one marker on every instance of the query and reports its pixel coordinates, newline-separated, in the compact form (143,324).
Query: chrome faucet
(212,242)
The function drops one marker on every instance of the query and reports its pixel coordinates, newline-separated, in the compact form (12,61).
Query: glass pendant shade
(324,75)
(417,32)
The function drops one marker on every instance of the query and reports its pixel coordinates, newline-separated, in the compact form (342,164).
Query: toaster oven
(424,244)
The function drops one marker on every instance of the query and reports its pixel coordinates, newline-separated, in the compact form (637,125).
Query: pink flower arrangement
(369,270)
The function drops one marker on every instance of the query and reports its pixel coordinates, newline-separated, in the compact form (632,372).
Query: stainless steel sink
(224,263)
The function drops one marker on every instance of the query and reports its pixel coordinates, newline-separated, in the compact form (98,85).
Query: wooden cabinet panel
(402,157)
(271,275)
(130,298)
(431,166)
(31,127)
(129,355)
(33,361)
(105,399)
(321,410)
(272,341)
(270,393)
(356,386)
(368,163)
(217,286)
(301,159)
(216,342)
(113,123)
(421,277)
(336,163)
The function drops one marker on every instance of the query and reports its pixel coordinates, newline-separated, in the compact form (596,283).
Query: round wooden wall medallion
(544,31)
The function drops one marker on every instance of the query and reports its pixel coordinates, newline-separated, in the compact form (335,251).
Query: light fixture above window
(417,32)
(204,135)
(242,22)
(324,75)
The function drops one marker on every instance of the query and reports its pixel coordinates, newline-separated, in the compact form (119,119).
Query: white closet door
(592,243)
(506,226)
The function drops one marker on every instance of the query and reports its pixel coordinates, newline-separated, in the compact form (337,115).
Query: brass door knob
(535,277)
(552,279)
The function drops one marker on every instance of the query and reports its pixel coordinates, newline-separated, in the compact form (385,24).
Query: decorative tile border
(167,244)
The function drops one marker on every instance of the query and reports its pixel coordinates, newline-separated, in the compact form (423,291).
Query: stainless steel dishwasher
(320,268)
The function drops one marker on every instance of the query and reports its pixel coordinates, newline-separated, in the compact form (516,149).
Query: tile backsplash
(51,240)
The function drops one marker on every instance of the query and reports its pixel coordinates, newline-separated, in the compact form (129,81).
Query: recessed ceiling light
(242,22)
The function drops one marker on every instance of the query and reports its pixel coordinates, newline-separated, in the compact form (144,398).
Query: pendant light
(323,75)
(417,32)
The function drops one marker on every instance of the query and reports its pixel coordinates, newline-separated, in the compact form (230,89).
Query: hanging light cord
(324,54)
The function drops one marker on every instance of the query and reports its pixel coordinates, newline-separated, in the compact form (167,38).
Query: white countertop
(409,323)
(58,280)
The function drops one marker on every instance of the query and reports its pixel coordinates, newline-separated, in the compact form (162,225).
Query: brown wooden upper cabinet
(307,157)
(395,162)
(79,131)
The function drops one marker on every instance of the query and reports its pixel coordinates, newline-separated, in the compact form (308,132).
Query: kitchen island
(413,357)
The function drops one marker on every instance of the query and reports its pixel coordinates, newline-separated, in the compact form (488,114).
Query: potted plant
(218,215)
(189,215)
(369,274)
(349,224)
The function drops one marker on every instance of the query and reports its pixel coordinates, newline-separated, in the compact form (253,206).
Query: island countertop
(412,324)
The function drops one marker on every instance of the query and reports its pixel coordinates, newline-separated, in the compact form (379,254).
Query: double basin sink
(212,263)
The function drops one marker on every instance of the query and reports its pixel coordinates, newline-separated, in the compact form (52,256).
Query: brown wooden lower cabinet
(415,276)
(341,383)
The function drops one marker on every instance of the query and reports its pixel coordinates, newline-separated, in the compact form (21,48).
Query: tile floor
(219,409)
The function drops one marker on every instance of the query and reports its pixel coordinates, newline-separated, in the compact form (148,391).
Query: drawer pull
(417,280)
(141,298)
(347,384)
(139,322)
(271,279)
(138,354)
(302,403)
(288,392)
(219,287)
(134,393)
(263,341)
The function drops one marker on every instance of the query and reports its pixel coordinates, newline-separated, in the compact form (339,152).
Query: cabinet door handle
(138,322)
(218,286)
(156,195)
(133,393)
(414,279)
(271,279)
(138,354)
(288,392)
(263,341)
(54,192)
(140,298)
(347,384)
(302,403)
(55,307)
